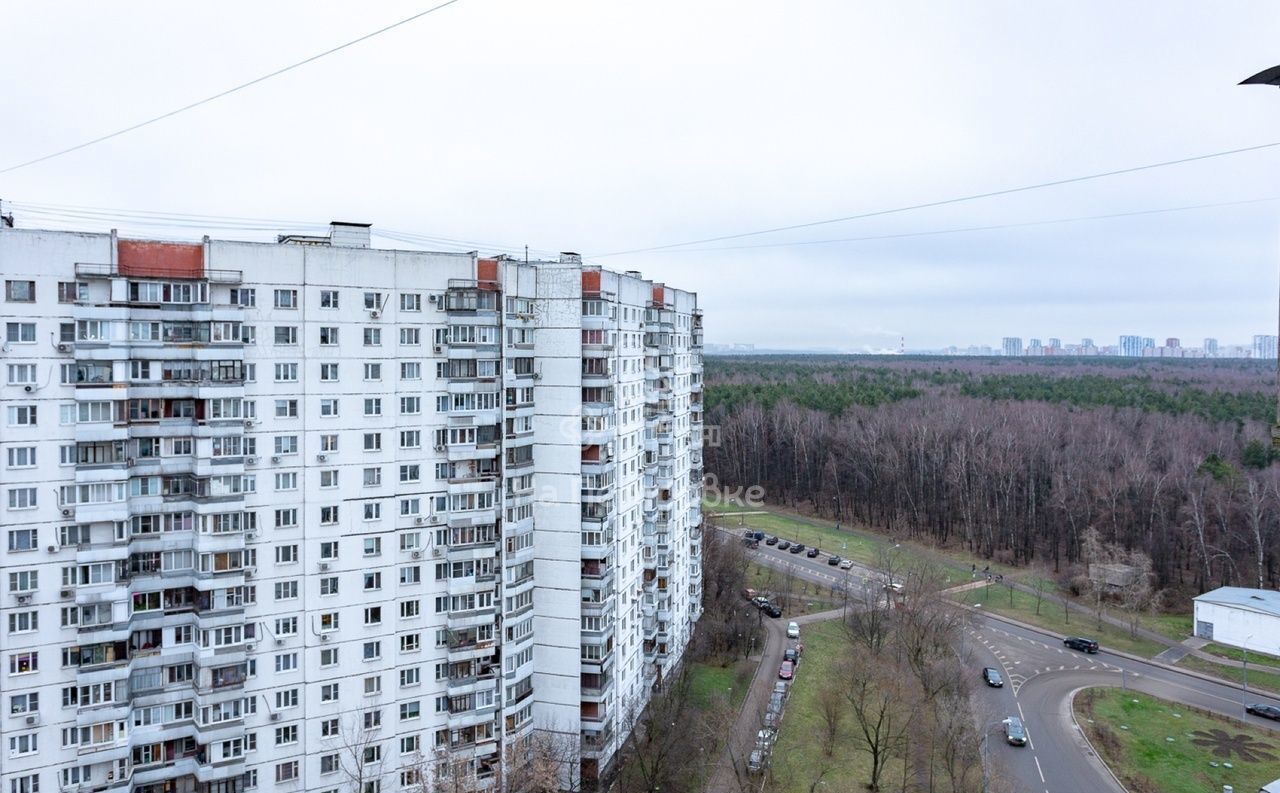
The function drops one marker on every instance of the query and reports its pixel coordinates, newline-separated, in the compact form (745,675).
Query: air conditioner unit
(324,637)
(249,422)
(275,458)
(53,549)
(439,348)
(66,593)
(279,642)
(251,460)
(418,521)
(275,717)
(251,535)
(374,313)
(433,298)
(28,388)
(31,720)
(324,567)
(248,572)
(439,447)
(537,375)
(24,599)
(67,512)
(437,552)
(64,347)
(320,458)
(416,554)
(250,647)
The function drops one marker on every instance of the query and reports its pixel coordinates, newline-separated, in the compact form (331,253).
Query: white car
(846,564)
(793,630)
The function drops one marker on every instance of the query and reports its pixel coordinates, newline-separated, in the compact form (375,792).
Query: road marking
(1039,770)
(1020,713)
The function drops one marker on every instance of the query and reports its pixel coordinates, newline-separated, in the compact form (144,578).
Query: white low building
(1240,617)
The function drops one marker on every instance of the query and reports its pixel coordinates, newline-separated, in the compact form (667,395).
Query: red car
(786,671)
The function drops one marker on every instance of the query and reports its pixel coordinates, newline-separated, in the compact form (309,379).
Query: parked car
(797,548)
(786,671)
(772,718)
(1263,710)
(833,560)
(765,738)
(771,541)
(1082,644)
(773,610)
(775,701)
(813,553)
(784,545)
(757,761)
(791,655)
(760,601)
(780,687)
(793,630)
(846,564)
(992,677)
(1014,732)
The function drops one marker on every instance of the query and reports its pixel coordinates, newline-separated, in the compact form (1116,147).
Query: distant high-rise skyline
(1261,346)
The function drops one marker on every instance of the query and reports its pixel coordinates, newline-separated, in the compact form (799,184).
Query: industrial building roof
(1266,601)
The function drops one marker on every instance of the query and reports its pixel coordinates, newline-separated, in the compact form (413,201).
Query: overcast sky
(602,126)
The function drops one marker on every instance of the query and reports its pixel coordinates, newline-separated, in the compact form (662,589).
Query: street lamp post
(1270,77)
(1244,659)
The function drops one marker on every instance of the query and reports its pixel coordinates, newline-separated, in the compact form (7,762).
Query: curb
(1071,705)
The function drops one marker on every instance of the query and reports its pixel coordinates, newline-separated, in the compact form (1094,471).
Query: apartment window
(328,621)
(328,372)
(410,506)
(410,575)
(286,372)
(372,440)
(373,337)
(286,335)
(286,554)
(29,783)
(24,663)
(20,332)
(410,609)
(372,651)
(372,685)
(329,515)
(411,676)
(286,662)
(286,444)
(410,406)
(286,298)
(373,371)
(372,546)
(410,439)
(328,298)
(287,481)
(22,456)
(328,479)
(328,408)
(372,406)
(23,539)
(410,301)
(22,415)
(22,374)
(329,549)
(410,643)
(286,698)
(329,585)
(372,477)
(328,443)
(410,370)
(373,615)
(372,510)
(24,580)
(410,710)
(372,581)
(24,621)
(329,763)
(372,300)
(329,656)
(244,297)
(287,518)
(287,771)
(286,590)
(286,626)
(20,291)
(72,292)
(22,498)
(286,408)
(328,336)
(410,337)
(410,473)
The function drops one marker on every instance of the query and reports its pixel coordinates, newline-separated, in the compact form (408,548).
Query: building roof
(1265,601)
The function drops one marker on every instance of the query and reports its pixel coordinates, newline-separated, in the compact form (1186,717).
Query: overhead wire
(948,201)
(228,91)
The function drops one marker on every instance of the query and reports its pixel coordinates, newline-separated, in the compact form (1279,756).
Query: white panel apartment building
(313,516)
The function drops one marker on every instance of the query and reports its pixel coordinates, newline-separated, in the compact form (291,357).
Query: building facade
(1240,617)
(1264,347)
(1011,346)
(314,516)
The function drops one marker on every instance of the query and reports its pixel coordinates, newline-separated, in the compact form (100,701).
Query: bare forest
(1016,460)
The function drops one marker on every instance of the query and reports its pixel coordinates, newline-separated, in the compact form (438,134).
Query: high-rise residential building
(1034,347)
(1148,343)
(1011,345)
(317,516)
(1172,343)
(1055,343)
(1264,347)
(1131,346)
(1211,348)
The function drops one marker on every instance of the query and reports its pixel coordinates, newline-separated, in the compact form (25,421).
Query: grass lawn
(1145,758)
(1264,681)
(806,596)
(798,756)
(1051,618)
(1236,654)
(1174,626)
(712,681)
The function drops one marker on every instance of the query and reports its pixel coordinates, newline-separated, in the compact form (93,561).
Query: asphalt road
(1040,677)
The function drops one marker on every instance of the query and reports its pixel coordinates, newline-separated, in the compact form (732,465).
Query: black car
(771,541)
(772,610)
(797,548)
(784,545)
(1082,644)
(834,560)
(1265,711)
(791,655)
(813,553)
(992,677)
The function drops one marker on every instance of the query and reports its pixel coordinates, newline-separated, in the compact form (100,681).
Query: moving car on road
(786,671)
(793,630)
(1014,732)
(992,677)
(1082,644)
(1263,710)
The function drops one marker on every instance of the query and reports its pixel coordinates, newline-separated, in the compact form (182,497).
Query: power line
(947,201)
(231,90)
(965,229)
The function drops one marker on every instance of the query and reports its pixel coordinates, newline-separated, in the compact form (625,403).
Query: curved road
(1041,676)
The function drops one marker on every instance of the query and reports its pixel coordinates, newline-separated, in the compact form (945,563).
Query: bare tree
(832,711)
(359,755)
(881,709)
